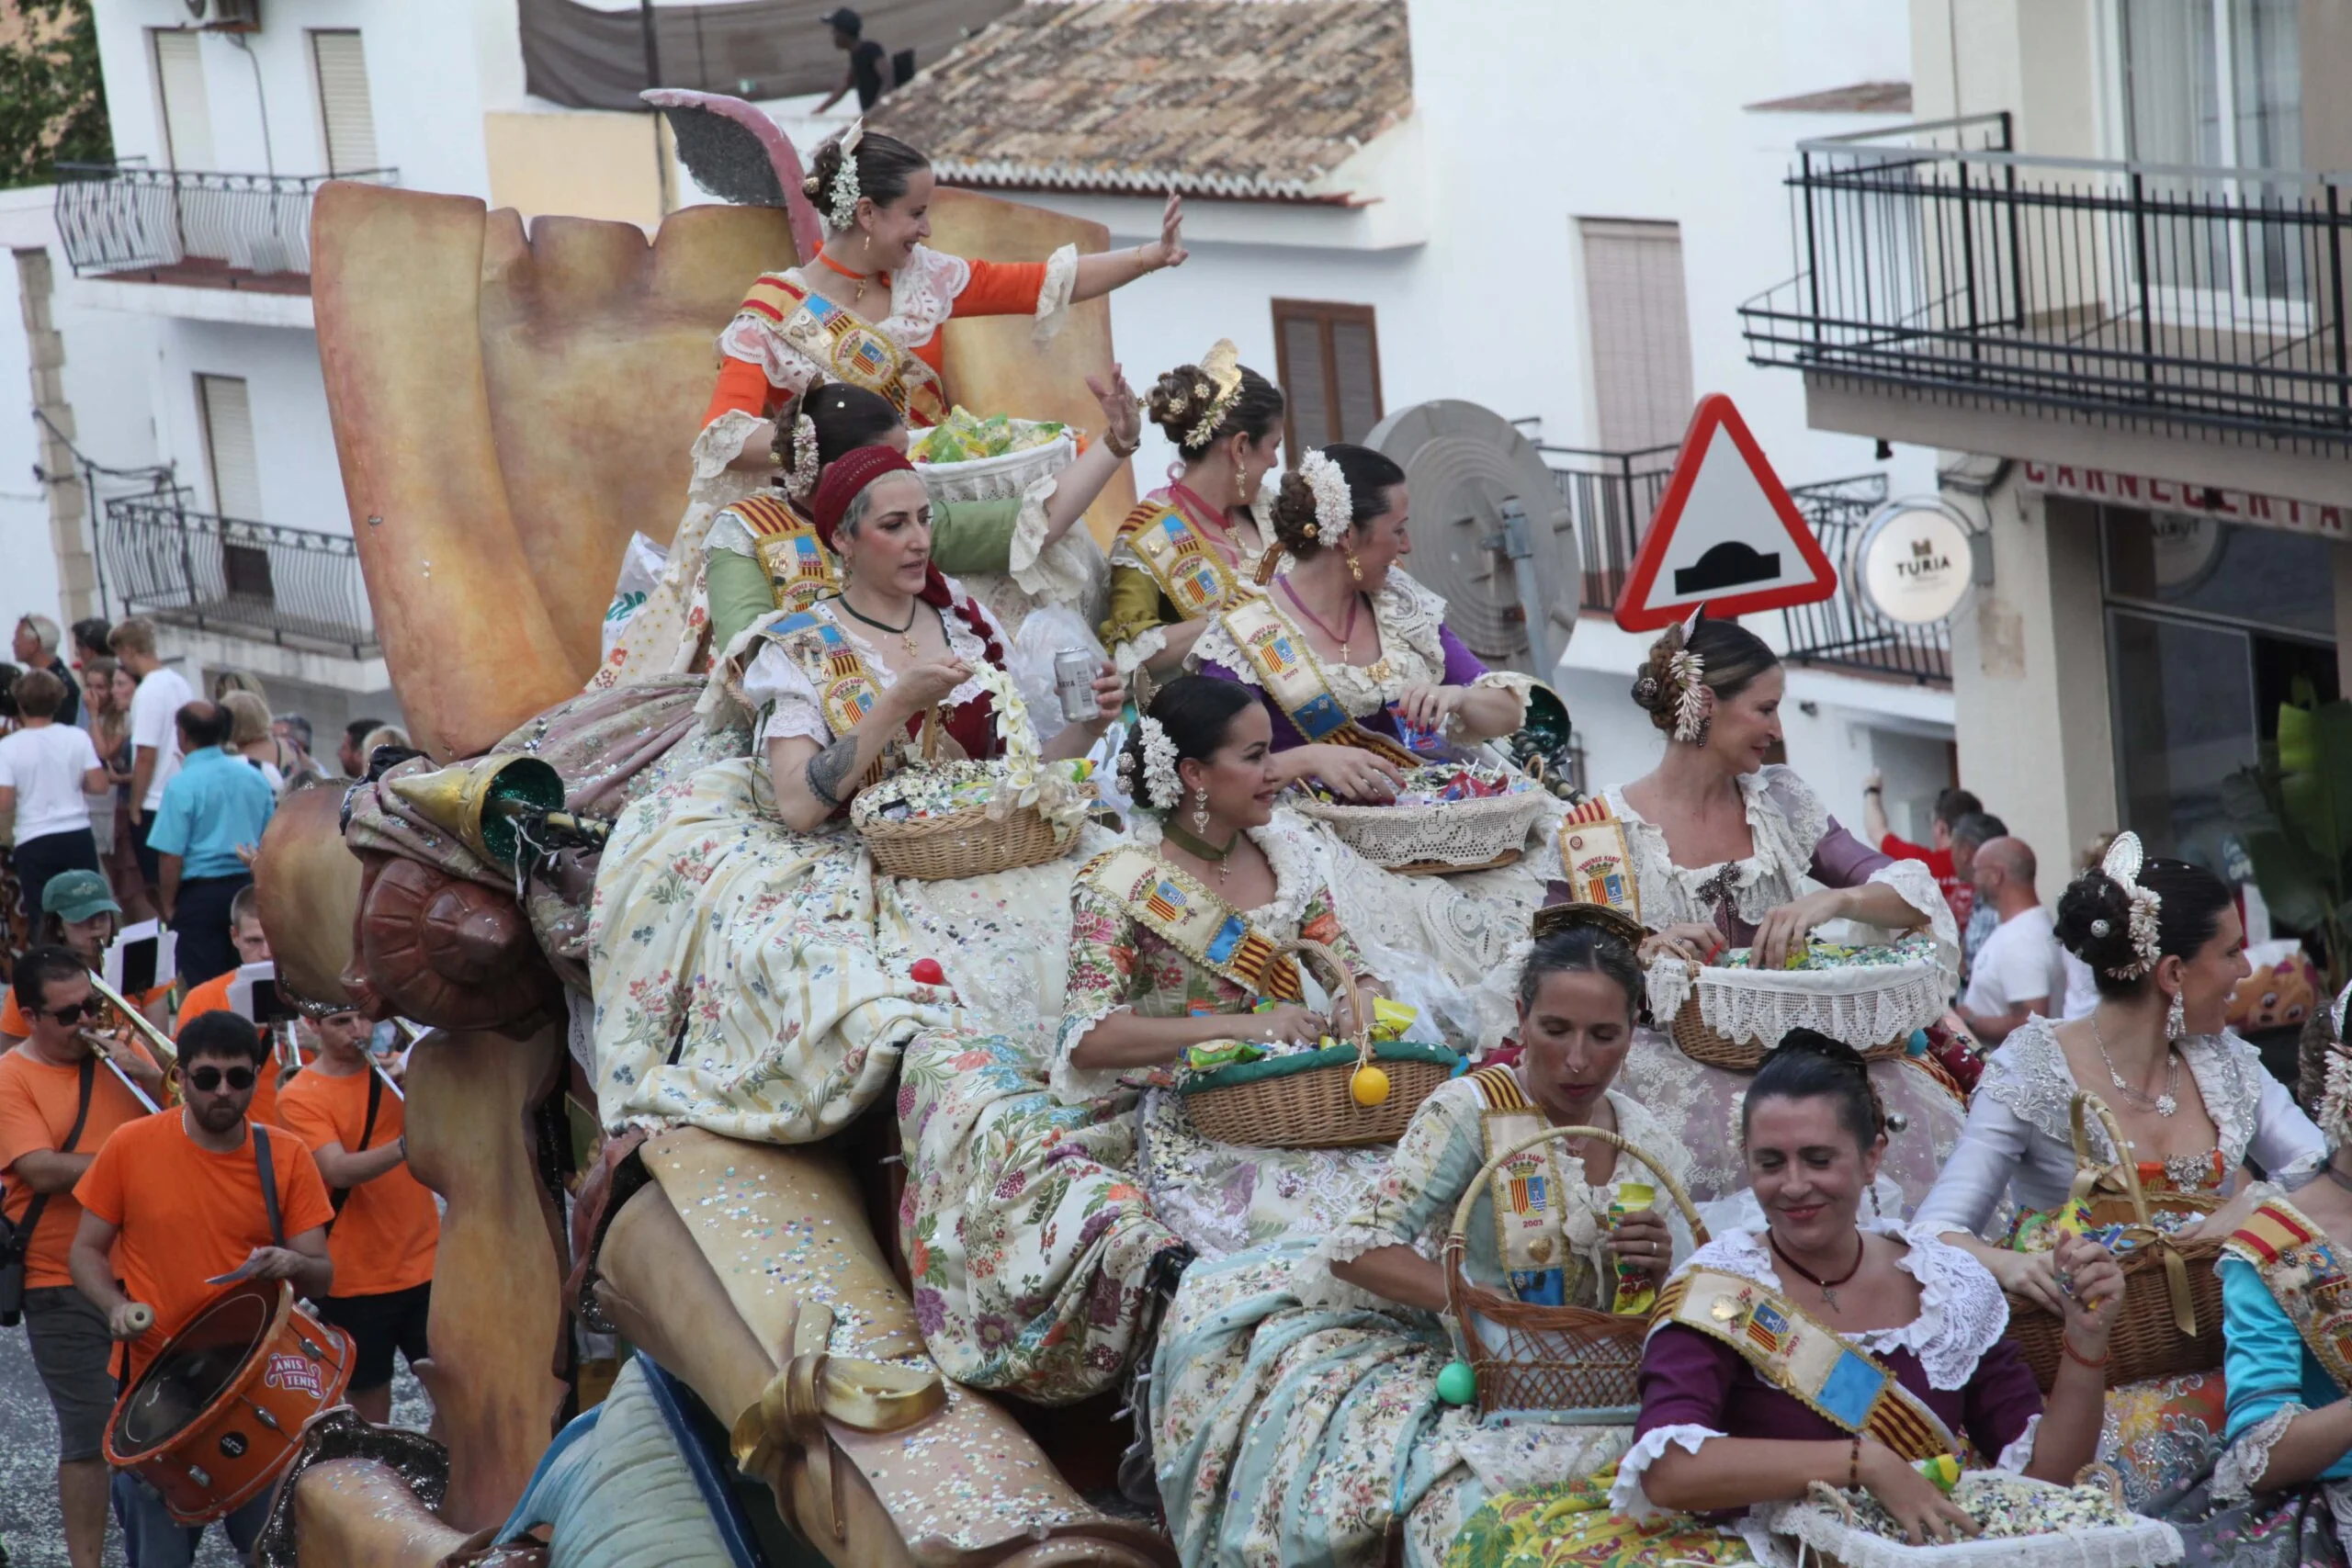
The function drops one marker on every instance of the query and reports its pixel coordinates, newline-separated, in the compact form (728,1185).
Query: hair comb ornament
(1162,790)
(842,208)
(2123,866)
(1334,506)
(1221,370)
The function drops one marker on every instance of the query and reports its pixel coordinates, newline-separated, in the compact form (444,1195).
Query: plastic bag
(1049,629)
(641,567)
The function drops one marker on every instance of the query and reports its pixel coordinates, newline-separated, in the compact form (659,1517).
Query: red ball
(927,972)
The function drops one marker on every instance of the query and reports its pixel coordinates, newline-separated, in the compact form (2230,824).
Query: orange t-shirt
(36,1102)
(184,1215)
(384,1238)
(212,996)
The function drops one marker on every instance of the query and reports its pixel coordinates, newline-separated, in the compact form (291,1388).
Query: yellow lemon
(1368,1085)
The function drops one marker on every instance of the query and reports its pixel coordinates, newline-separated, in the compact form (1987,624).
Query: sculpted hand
(1641,1241)
(1926,1514)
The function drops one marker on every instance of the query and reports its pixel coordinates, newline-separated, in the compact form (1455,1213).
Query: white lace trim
(1074,1085)
(1786,821)
(1131,655)
(1625,1494)
(1315,1285)
(1054,296)
(1962,1311)
(721,442)
(755,339)
(2019,1454)
(2028,1074)
(1863,1005)
(1916,885)
(1056,572)
(775,687)
(923,295)
(1410,617)
(729,532)
(2243,1462)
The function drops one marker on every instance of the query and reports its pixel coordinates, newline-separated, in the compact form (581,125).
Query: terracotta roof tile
(1243,99)
(1862,97)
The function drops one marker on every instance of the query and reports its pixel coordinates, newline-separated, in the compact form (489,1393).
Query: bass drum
(221,1409)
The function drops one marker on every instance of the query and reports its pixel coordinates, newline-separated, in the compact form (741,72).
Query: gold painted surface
(307,881)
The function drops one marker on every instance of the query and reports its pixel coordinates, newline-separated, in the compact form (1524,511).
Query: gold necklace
(905,633)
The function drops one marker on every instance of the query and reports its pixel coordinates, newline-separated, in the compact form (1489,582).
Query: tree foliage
(52,100)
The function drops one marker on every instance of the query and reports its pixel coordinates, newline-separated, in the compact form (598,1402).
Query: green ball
(1457,1384)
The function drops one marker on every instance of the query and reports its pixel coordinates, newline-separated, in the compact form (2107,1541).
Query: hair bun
(1177,400)
(2094,921)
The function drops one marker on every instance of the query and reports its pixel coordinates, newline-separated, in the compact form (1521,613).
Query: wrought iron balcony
(186,226)
(1934,258)
(293,587)
(1612,496)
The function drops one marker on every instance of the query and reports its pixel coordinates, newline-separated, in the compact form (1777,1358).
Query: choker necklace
(905,633)
(834,266)
(1193,844)
(1828,1288)
(1342,636)
(2337,1176)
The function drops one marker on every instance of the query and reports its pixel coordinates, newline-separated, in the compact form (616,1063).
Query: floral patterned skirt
(1223,1198)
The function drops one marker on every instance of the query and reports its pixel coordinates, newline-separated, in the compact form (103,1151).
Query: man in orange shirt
(57,1105)
(386,1223)
(212,996)
(78,912)
(175,1200)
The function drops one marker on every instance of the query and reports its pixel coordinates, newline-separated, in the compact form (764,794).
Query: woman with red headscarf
(739,976)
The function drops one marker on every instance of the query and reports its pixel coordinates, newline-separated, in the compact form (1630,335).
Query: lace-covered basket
(1871,998)
(2040,1526)
(1433,840)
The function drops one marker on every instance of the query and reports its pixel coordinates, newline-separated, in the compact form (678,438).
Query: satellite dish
(1491,532)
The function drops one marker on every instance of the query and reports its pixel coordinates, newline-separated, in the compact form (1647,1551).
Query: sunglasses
(70,1014)
(206,1080)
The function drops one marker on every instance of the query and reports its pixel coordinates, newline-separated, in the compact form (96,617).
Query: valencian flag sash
(1188,569)
(2302,1270)
(799,568)
(846,347)
(1287,671)
(1196,922)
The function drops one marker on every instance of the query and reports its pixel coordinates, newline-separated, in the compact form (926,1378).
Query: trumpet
(117,1020)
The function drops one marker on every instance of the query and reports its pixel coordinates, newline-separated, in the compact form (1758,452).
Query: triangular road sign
(1725,533)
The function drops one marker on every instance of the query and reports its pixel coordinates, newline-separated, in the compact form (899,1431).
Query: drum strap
(22,1241)
(342,1195)
(267,1169)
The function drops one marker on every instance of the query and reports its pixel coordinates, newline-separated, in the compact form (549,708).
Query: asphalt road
(30,1527)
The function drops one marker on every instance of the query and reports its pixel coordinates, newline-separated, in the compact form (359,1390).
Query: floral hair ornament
(1162,790)
(1334,506)
(1221,370)
(841,210)
(1686,672)
(2121,866)
(800,479)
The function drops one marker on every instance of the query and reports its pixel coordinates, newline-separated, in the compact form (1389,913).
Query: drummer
(57,1105)
(176,1199)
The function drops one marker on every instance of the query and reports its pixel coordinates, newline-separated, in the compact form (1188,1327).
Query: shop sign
(2171,495)
(1913,562)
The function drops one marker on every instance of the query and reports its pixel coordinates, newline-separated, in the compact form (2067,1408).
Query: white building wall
(301,483)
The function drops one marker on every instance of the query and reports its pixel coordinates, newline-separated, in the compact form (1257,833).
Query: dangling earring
(1876,1213)
(1201,811)
(2175,1019)
(1353,570)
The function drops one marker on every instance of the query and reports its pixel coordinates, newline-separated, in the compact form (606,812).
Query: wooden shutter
(1640,333)
(345,110)
(228,443)
(1328,362)
(187,115)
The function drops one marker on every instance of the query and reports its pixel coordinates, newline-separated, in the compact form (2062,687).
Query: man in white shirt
(2018,971)
(48,771)
(155,730)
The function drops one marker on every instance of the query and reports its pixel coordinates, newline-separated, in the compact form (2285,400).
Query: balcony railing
(182,225)
(1935,258)
(1610,496)
(290,586)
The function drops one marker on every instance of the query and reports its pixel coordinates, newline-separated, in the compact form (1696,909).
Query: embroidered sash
(1804,1358)
(2304,1274)
(1595,859)
(847,347)
(1188,569)
(1287,671)
(1528,1195)
(1195,922)
(798,566)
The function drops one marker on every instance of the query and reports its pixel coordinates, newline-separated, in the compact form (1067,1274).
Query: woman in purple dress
(1739,1411)
(1350,655)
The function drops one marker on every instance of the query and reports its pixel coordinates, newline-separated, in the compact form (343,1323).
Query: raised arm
(1874,825)
(1100,273)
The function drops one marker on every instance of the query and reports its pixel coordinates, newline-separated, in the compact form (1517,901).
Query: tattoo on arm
(828,771)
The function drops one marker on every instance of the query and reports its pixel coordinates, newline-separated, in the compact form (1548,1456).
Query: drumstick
(141,1317)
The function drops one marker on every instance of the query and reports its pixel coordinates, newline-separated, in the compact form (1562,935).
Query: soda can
(1074,670)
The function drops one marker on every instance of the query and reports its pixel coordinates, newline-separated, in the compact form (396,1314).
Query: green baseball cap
(74,895)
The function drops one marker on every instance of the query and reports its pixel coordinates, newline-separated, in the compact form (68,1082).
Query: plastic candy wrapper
(1636,1292)
(1220,1054)
(963,435)
(1390,1019)
(1433,784)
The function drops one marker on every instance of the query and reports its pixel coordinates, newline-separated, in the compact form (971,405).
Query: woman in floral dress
(1296,1410)
(734,931)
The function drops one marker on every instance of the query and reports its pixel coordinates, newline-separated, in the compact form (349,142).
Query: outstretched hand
(1122,412)
(1170,250)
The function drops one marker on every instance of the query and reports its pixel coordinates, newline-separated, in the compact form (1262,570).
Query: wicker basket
(963,844)
(1302,1101)
(1458,835)
(1704,1044)
(998,479)
(2171,1318)
(1528,1357)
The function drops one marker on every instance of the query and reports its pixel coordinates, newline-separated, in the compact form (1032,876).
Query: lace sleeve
(1102,965)
(774,688)
(1435,1162)
(1055,573)
(1054,295)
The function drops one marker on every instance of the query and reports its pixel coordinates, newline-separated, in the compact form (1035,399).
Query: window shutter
(188,116)
(1328,362)
(1640,333)
(345,109)
(1355,373)
(1304,388)
(229,441)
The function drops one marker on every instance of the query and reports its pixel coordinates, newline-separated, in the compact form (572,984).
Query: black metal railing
(1838,633)
(290,586)
(1934,257)
(1610,495)
(125,218)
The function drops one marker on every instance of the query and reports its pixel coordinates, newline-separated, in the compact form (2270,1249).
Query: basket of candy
(1728,1013)
(2171,1318)
(966,457)
(936,821)
(1321,1097)
(1446,817)
(2022,1524)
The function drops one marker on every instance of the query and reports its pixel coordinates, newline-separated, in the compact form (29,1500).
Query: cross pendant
(1829,1296)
